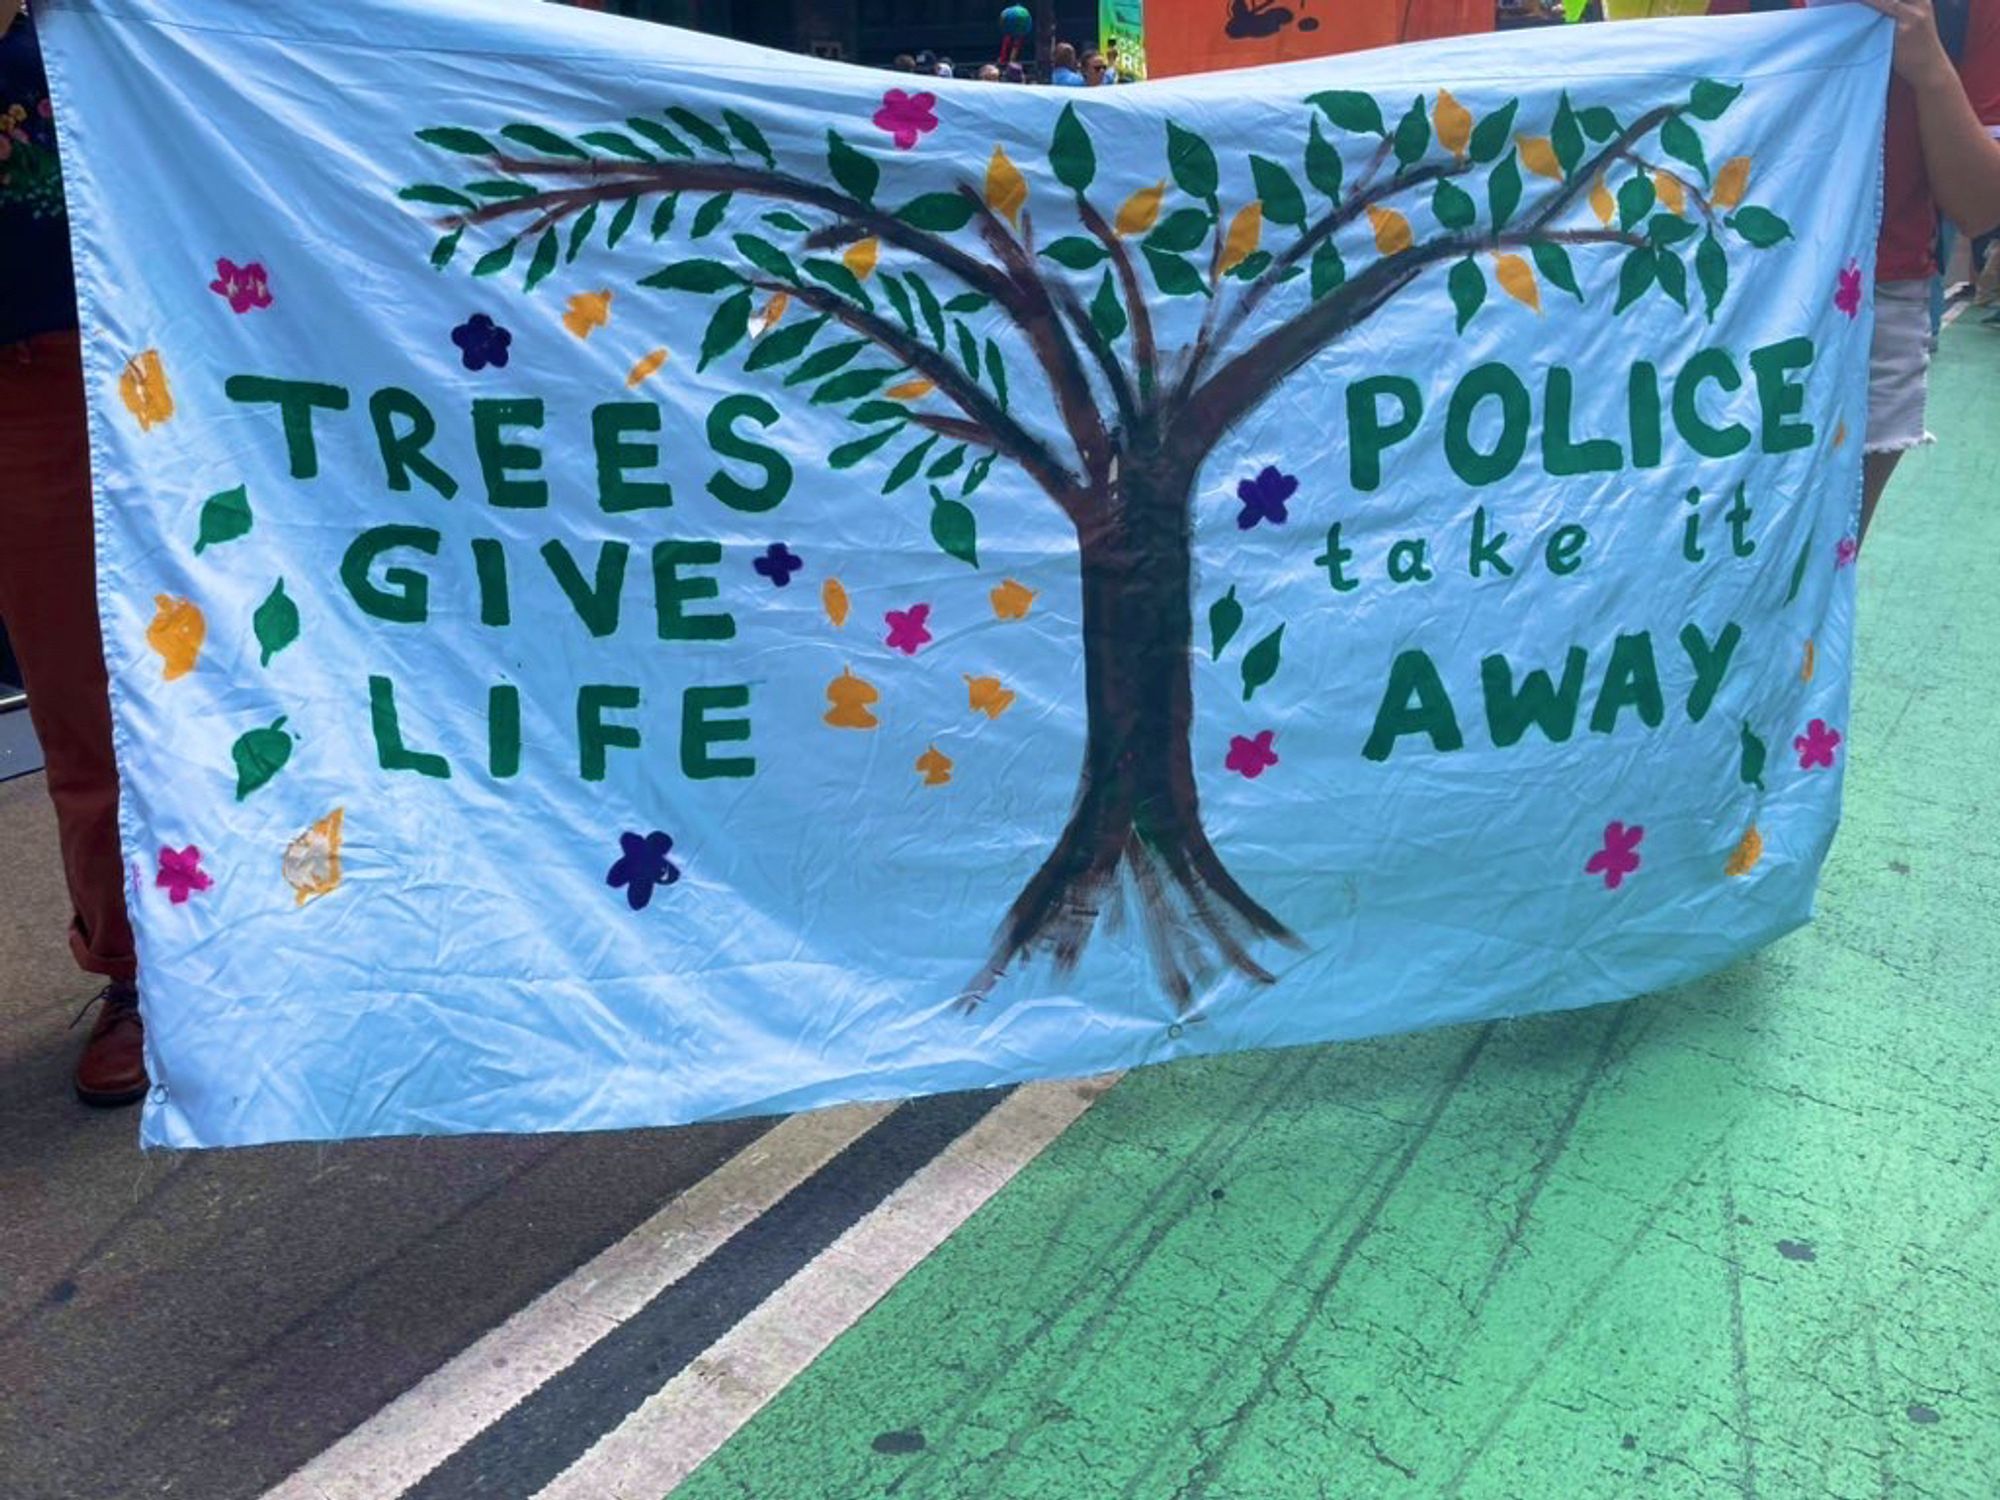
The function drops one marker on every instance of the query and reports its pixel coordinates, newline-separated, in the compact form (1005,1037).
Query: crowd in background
(1068,68)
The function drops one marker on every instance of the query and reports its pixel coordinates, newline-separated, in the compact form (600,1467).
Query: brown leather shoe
(112,1070)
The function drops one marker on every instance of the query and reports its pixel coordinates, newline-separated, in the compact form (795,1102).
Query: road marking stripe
(690,1417)
(420,1429)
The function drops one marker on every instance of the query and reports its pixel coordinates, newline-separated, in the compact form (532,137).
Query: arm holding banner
(1962,159)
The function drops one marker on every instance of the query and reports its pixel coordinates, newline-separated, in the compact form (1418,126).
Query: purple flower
(643,867)
(246,287)
(1264,498)
(181,874)
(778,564)
(482,342)
(1845,553)
(1847,291)
(1619,857)
(907,116)
(1251,757)
(1816,745)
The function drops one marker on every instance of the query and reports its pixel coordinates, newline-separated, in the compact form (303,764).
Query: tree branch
(1145,352)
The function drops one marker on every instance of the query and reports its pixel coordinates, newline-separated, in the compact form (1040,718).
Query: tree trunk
(1134,839)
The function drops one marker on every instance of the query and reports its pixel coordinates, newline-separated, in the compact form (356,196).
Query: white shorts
(1899,364)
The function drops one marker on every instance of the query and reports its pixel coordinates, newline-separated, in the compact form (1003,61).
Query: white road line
(424,1426)
(691,1416)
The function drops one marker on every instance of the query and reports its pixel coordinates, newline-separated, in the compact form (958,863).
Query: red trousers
(48,598)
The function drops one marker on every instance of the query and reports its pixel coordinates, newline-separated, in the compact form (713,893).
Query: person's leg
(48,596)
(1875,471)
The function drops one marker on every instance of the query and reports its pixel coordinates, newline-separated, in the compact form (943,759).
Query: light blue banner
(649,580)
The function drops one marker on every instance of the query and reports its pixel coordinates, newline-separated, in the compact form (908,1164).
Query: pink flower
(909,629)
(1251,758)
(1816,745)
(1619,857)
(181,873)
(1847,296)
(45,110)
(246,287)
(1846,552)
(907,116)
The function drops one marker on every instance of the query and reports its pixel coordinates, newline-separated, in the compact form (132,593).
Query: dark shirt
(37,286)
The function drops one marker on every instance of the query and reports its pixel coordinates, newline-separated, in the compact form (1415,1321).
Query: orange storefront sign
(1201,36)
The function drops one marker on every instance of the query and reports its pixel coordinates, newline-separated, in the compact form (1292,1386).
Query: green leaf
(1503,191)
(1351,111)
(1673,274)
(430,192)
(276,623)
(784,344)
(616,144)
(446,248)
(996,372)
(766,257)
(709,216)
(857,175)
(1327,270)
(1174,276)
(1635,199)
(1638,274)
(1413,134)
(1192,162)
(1709,99)
(621,223)
(968,350)
(847,455)
(464,142)
(868,413)
(537,138)
(1759,226)
(836,277)
(726,328)
(692,276)
(1669,229)
(1799,571)
(1553,262)
(1260,662)
(1566,136)
(1751,766)
(968,302)
(580,231)
(500,188)
(1107,313)
(1598,123)
(938,212)
(927,304)
(1180,231)
(663,216)
(899,299)
(853,385)
(954,528)
(749,136)
(260,755)
(976,475)
(1323,168)
(825,362)
(660,136)
(1678,140)
(1071,155)
(224,518)
(1453,205)
(1282,200)
(493,262)
(547,252)
(699,128)
(1225,618)
(786,220)
(1253,265)
(907,466)
(944,468)
(1076,252)
(1491,135)
(1467,284)
(1711,269)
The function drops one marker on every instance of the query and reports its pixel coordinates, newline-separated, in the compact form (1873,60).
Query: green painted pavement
(1743,1238)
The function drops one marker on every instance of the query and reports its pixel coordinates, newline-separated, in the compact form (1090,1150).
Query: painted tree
(1153,329)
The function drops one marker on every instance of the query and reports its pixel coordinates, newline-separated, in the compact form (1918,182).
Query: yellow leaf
(850,696)
(833,597)
(1517,279)
(1011,600)
(1748,852)
(588,312)
(935,766)
(1732,180)
(1811,663)
(987,696)
(646,368)
(773,310)
(1139,212)
(312,860)
(1539,157)
(1601,203)
(1392,230)
(144,389)
(1667,188)
(860,257)
(1454,124)
(1245,230)
(910,390)
(1006,189)
(177,632)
